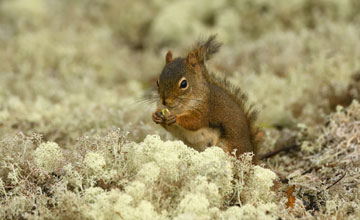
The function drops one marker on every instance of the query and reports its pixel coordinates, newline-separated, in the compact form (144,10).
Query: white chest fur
(199,140)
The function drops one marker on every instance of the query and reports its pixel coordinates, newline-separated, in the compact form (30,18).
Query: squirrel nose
(167,101)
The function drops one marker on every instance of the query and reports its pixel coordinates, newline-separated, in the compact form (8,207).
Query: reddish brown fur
(191,120)
(168,57)
(209,106)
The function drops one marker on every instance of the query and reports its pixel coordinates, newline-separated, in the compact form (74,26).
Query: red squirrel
(201,109)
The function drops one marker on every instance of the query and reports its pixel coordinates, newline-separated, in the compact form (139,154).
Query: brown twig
(275,152)
(338,180)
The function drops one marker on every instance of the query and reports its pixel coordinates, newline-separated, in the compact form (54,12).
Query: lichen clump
(94,161)
(260,192)
(153,179)
(76,136)
(48,156)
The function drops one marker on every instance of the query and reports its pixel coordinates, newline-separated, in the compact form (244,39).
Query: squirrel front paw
(159,118)
(170,119)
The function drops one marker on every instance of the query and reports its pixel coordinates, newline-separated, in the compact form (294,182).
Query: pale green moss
(295,59)
(95,162)
(216,166)
(2,188)
(249,212)
(72,176)
(196,204)
(149,173)
(26,7)
(201,185)
(136,190)
(260,184)
(4,115)
(48,156)
(176,21)
(169,155)
(117,205)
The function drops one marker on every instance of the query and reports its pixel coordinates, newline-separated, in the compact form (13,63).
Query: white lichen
(72,176)
(250,212)
(196,204)
(201,185)
(297,60)
(94,162)
(149,173)
(259,186)
(2,189)
(117,205)
(48,156)
(136,190)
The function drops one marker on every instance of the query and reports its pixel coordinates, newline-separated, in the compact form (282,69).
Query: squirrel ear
(168,57)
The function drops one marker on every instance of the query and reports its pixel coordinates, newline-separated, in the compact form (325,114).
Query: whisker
(198,100)
(148,99)
(145,101)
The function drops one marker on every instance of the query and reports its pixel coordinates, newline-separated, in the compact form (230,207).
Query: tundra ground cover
(77,140)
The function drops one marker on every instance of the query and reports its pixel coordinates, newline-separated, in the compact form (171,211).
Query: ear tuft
(191,59)
(209,47)
(203,51)
(168,57)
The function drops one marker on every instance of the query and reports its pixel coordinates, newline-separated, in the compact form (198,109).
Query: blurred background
(71,68)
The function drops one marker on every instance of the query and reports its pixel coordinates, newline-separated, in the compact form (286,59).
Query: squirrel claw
(156,118)
(159,118)
(159,114)
(171,119)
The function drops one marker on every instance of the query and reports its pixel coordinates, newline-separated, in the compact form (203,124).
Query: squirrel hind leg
(242,146)
(223,144)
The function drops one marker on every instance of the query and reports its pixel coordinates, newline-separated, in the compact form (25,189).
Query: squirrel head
(182,81)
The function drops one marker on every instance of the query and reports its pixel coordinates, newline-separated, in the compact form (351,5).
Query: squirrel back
(241,99)
(204,109)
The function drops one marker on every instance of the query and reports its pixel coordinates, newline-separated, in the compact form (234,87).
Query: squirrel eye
(157,83)
(183,84)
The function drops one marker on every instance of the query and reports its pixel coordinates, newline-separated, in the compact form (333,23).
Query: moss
(194,203)
(201,186)
(114,204)
(263,211)
(48,156)
(35,8)
(72,176)
(95,162)
(76,136)
(262,181)
(149,173)
(3,190)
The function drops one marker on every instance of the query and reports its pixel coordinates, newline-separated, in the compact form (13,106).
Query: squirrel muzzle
(168,102)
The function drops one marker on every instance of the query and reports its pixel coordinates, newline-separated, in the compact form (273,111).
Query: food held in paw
(165,112)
